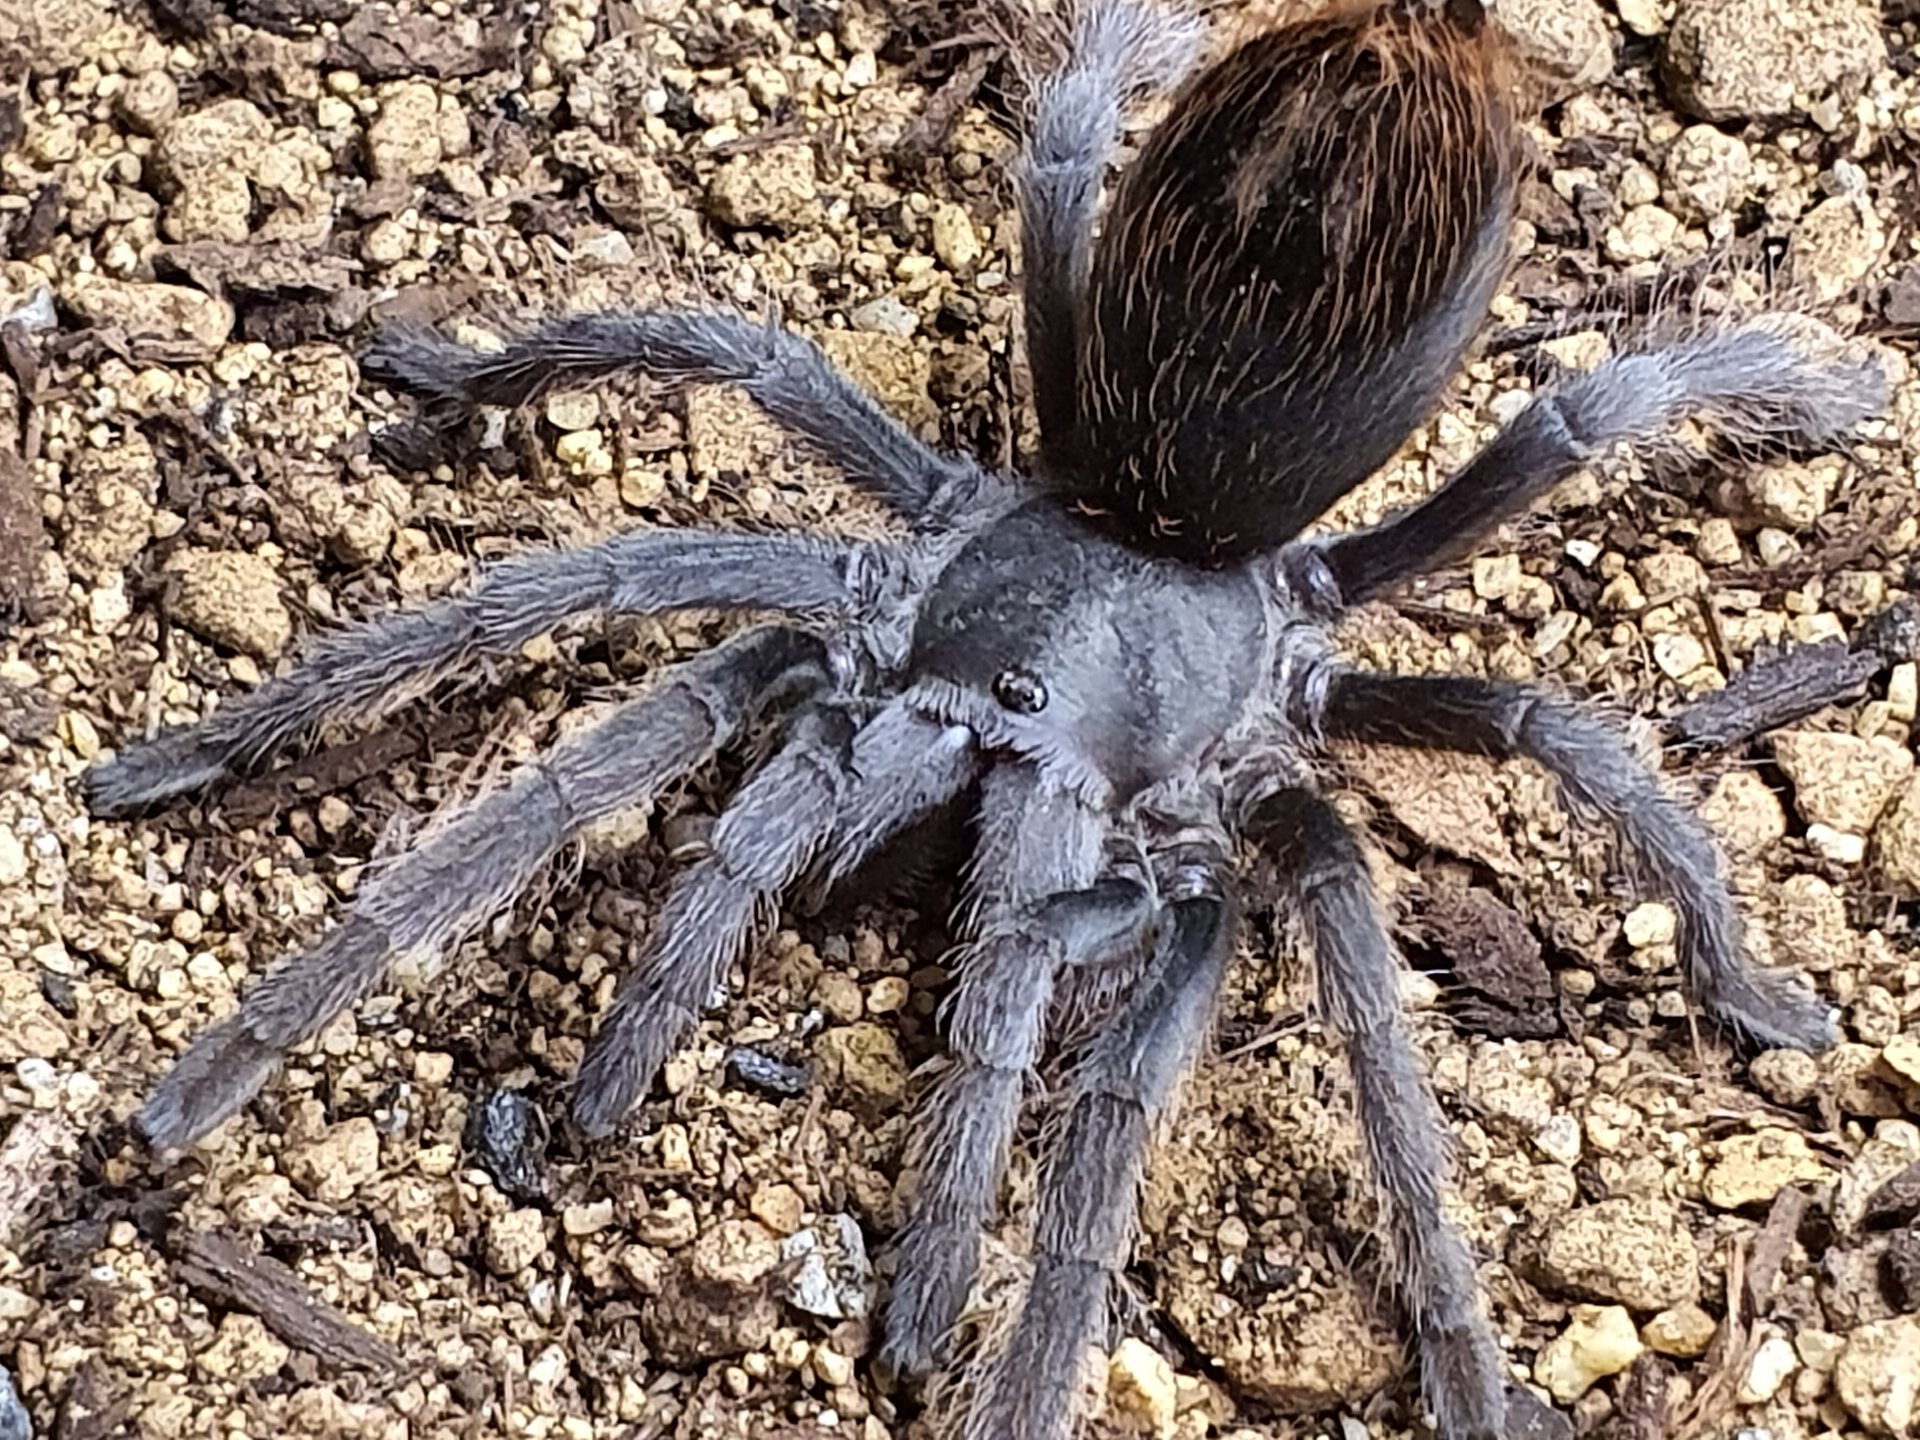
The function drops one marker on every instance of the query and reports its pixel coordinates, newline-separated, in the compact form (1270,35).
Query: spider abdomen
(1289,274)
(1087,649)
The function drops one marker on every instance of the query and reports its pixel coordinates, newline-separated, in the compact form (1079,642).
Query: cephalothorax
(1116,667)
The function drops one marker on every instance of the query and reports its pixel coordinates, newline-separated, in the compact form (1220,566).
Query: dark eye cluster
(1021,691)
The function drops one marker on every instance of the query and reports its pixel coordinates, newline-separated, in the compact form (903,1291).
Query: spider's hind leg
(1119,50)
(785,374)
(1599,775)
(472,864)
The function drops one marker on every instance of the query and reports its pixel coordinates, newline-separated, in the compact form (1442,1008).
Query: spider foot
(143,776)
(927,1294)
(1773,1009)
(424,365)
(1464,1383)
(610,1082)
(220,1072)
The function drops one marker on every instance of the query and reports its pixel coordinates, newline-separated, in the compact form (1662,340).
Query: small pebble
(954,238)
(1903,691)
(335,1164)
(1752,1168)
(1141,1386)
(1772,1363)
(830,1274)
(588,1219)
(1496,576)
(81,737)
(1818,1350)
(1719,543)
(1786,1077)
(884,316)
(1638,1252)
(1839,780)
(759,1071)
(1877,1375)
(675,1148)
(515,1240)
(1559,1139)
(573,410)
(1650,923)
(1837,845)
(1582,552)
(864,1061)
(1776,547)
(839,995)
(831,1366)
(1902,1056)
(1599,1341)
(778,1207)
(507,1135)
(1684,1332)
(333,813)
(609,248)
(1678,654)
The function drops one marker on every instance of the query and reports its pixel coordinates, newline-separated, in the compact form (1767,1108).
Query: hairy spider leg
(828,797)
(367,670)
(768,834)
(478,860)
(904,766)
(1666,843)
(785,374)
(1037,903)
(1088,1206)
(1753,382)
(1324,874)
(1121,51)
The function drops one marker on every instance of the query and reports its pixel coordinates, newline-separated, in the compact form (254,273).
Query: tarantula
(1117,666)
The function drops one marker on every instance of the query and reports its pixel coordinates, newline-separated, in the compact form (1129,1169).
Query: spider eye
(1020,690)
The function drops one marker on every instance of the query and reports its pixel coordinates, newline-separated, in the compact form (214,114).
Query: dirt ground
(205,206)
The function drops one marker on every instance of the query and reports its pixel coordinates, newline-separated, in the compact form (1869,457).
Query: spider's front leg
(1088,1208)
(786,375)
(767,835)
(1599,775)
(826,800)
(1325,875)
(1038,902)
(370,669)
(474,863)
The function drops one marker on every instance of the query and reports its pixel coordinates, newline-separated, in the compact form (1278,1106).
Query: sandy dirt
(206,207)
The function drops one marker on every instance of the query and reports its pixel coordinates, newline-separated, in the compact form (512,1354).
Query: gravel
(198,217)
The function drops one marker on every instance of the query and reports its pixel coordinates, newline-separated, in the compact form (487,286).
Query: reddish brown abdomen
(1288,276)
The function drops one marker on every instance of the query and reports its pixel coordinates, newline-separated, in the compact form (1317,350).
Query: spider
(1117,669)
